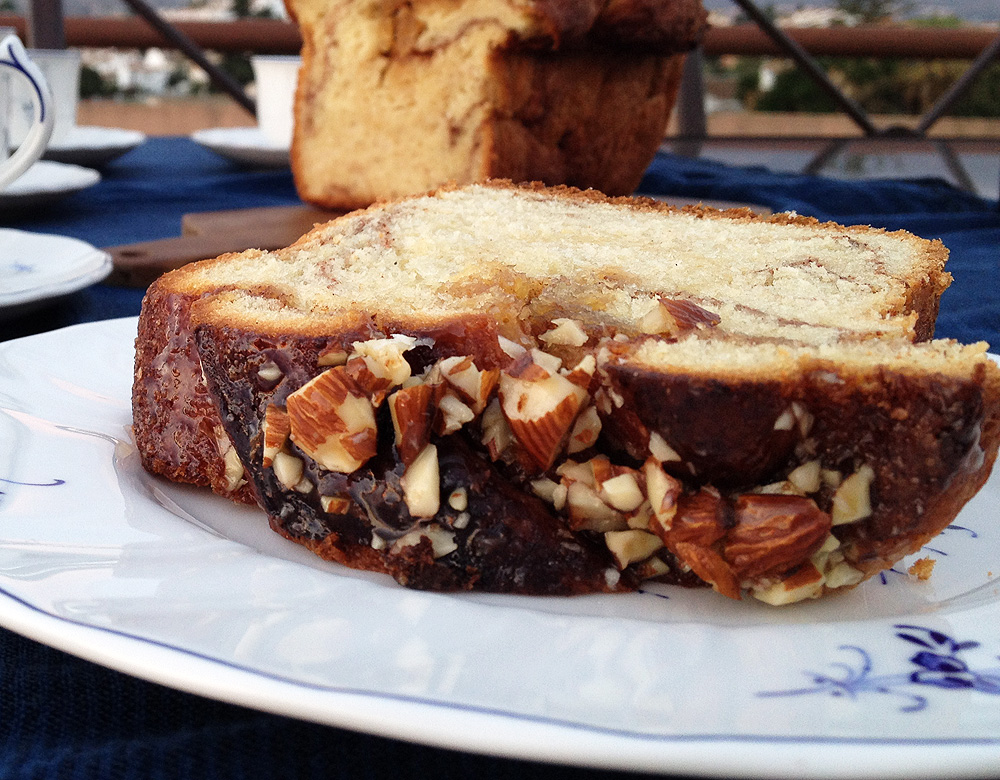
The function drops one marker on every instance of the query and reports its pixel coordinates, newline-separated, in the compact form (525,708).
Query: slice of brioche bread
(535,390)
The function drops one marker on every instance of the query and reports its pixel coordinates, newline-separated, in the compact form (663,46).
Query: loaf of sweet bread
(535,390)
(396,98)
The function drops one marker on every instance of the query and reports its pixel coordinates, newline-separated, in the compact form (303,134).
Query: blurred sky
(973,10)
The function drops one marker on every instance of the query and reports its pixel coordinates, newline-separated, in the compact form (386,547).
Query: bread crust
(176,425)
(931,444)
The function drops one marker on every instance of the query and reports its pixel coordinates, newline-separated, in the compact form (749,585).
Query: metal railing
(274,36)
(762,38)
(266,36)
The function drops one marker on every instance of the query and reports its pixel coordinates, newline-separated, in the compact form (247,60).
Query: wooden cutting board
(209,234)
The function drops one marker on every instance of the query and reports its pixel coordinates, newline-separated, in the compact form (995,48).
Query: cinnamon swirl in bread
(397,98)
(533,390)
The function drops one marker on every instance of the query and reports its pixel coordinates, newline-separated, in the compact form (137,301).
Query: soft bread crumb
(565,253)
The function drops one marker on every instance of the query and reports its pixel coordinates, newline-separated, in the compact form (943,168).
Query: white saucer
(246,145)
(46,181)
(93,146)
(35,268)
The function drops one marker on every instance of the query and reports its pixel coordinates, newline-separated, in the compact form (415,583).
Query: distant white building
(720,19)
(787,16)
(221,10)
(129,71)
(816,17)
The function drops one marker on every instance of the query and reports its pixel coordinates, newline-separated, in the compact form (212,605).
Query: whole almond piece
(774,533)
(699,519)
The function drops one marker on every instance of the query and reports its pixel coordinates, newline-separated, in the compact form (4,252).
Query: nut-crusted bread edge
(166,327)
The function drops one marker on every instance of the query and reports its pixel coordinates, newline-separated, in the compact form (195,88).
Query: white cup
(61,68)
(275,77)
(15,66)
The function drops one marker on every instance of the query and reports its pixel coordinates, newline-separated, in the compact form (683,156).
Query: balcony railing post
(691,120)
(45,25)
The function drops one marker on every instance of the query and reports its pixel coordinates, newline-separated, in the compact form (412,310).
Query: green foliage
(92,84)
(949,21)
(880,86)
(746,73)
(794,91)
(238,66)
(983,97)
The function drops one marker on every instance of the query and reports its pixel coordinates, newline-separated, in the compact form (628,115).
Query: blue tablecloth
(61,717)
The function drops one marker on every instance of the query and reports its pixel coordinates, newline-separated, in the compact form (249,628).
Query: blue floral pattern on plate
(937,664)
(53,483)
(12,61)
(17,268)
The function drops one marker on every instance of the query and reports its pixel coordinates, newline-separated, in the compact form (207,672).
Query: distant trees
(881,86)
(237,64)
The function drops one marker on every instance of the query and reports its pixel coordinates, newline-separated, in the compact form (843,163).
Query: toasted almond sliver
(422,484)
(631,546)
(852,501)
(287,469)
(566,332)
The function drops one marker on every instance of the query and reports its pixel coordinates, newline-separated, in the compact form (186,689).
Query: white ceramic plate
(247,145)
(47,181)
(898,678)
(36,267)
(93,146)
